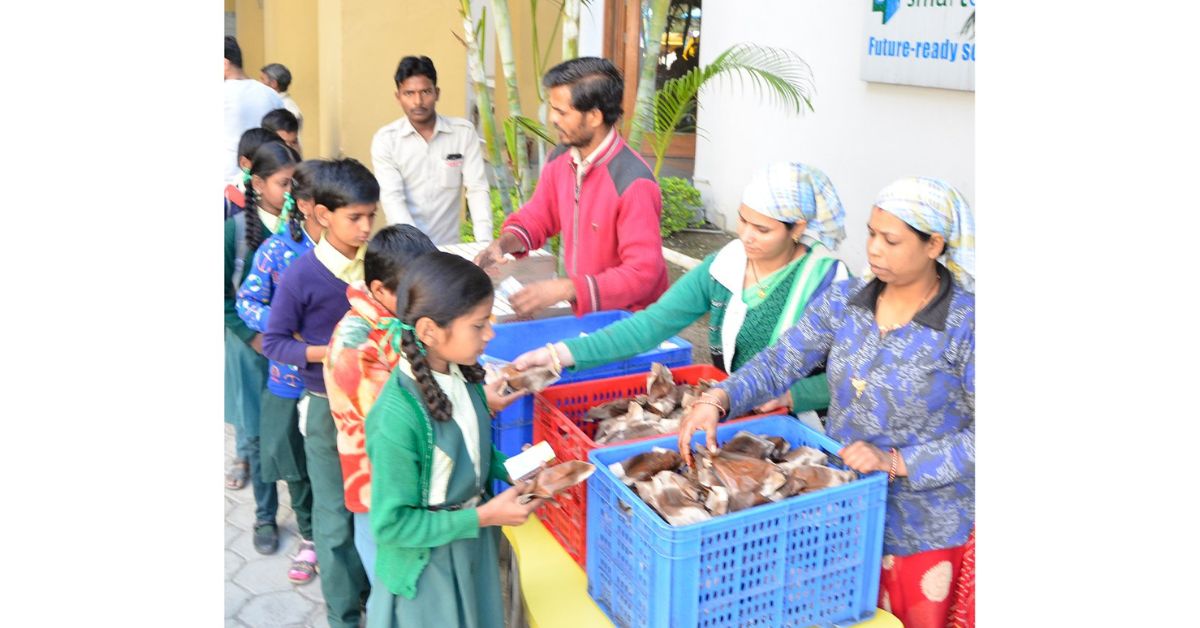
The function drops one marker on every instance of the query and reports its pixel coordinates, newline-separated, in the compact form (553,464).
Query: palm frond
(534,127)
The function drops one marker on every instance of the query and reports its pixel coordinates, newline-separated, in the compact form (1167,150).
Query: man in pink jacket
(598,193)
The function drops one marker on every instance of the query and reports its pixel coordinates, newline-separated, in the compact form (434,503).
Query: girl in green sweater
(432,460)
(754,288)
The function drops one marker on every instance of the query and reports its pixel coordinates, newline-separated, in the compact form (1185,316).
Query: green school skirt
(245,384)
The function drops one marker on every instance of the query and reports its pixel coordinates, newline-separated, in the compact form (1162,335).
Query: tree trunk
(483,100)
(645,92)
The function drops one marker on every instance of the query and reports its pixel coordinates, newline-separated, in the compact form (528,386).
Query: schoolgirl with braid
(268,181)
(428,439)
(282,444)
(307,304)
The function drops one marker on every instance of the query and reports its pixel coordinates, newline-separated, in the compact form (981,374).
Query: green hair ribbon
(289,204)
(394,327)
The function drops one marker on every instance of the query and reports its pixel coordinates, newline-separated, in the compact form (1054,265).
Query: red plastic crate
(557,419)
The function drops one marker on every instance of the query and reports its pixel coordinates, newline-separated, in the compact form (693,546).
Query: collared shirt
(582,165)
(271,221)
(912,389)
(348,270)
(421,182)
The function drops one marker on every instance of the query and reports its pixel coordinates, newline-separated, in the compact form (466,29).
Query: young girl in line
(269,179)
(362,354)
(308,303)
(282,445)
(235,195)
(432,460)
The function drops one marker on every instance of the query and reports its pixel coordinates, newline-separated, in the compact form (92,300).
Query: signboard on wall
(930,43)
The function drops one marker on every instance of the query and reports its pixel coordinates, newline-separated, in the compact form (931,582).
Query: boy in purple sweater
(310,301)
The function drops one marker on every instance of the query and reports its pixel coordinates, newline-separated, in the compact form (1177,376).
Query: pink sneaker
(304,564)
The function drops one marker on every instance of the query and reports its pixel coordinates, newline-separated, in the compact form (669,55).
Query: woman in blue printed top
(281,443)
(899,351)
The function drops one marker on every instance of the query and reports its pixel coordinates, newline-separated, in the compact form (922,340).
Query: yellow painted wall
(250,34)
(376,34)
(291,39)
(329,72)
(522,30)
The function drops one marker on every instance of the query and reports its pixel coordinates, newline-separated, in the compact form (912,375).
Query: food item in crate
(645,465)
(535,379)
(748,470)
(808,478)
(656,412)
(675,497)
(551,481)
(803,455)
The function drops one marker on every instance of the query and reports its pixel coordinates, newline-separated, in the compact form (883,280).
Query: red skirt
(932,589)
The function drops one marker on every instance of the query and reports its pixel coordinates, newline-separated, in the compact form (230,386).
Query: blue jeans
(364,542)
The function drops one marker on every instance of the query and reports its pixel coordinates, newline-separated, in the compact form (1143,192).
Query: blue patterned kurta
(917,395)
(254,302)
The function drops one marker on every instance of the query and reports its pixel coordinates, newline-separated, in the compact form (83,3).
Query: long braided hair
(270,158)
(304,181)
(442,287)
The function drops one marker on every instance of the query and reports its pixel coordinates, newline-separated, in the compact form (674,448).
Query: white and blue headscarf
(790,191)
(934,206)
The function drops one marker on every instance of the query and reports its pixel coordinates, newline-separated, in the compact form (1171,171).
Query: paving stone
(235,597)
(265,574)
(233,562)
(274,610)
(319,618)
(232,532)
(312,590)
(242,516)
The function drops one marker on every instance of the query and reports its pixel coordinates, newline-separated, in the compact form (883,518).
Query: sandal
(304,564)
(237,474)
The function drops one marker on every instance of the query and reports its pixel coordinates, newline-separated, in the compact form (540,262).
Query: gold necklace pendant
(859,386)
(762,294)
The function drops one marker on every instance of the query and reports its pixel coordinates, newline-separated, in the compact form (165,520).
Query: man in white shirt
(246,102)
(423,161)
(279,78)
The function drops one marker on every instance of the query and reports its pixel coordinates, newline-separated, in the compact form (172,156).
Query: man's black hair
(233,52)
(595,84)
(411,66)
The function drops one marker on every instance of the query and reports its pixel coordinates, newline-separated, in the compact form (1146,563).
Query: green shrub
(681,205)
(466,230)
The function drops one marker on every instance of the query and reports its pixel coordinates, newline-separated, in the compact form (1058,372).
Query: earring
(796,240)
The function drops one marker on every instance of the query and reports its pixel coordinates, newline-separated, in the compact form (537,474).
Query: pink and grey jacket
(611,245)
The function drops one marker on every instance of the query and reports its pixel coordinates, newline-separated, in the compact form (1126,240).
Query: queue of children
(321,320)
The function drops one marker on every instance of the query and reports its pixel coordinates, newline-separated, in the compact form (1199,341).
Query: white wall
(863,135)
(591,29)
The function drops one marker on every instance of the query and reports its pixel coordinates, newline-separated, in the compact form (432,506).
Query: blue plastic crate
(513,427)
(807,560)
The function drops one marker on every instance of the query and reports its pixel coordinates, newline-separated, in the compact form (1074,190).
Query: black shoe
(266,538)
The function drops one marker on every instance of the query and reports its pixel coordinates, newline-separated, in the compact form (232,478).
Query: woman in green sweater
(754,288)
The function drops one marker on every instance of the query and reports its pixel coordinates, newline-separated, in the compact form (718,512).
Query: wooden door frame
(622,32)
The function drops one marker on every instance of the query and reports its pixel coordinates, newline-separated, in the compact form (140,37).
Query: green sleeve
(810,393)
(398,518)
(497,471)
(233,322)
(680,306)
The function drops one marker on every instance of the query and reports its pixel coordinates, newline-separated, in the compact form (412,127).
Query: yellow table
(554,588)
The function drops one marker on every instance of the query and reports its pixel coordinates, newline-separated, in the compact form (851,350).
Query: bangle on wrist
(895,456)
(712,400)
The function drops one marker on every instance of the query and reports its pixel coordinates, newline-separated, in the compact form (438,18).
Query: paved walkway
(258,593)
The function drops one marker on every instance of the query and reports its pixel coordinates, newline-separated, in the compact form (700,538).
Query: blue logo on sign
(887,7)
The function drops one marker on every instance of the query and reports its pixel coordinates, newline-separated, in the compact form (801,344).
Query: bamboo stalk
(645,91)
(483,100)
(503,23)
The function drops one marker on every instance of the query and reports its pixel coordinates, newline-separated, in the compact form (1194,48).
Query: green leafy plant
(680,205)
(779,75)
